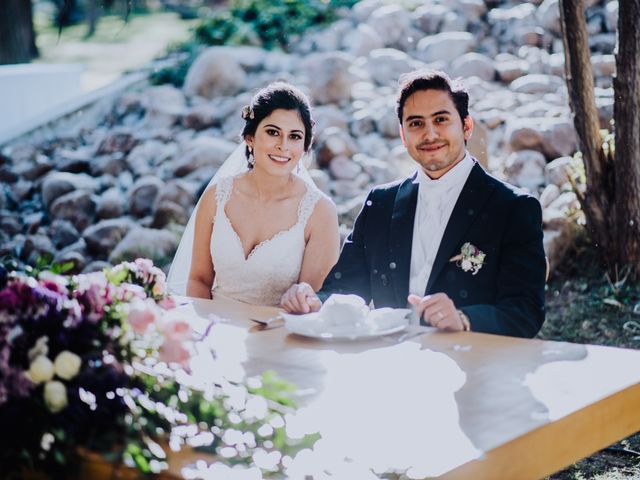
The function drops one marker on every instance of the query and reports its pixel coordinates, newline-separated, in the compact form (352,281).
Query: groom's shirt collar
(436,199)
(458,174)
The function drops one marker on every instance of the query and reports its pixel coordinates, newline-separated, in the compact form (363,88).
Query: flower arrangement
(470,258)
(94,360)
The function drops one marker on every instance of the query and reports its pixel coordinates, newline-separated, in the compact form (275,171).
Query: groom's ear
(402,135)
(467,127)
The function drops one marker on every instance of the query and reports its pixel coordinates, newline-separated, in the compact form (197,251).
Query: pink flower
(141,315)
(177,330)
(167,303)
(174,351)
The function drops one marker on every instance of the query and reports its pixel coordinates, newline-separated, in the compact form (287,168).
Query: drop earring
(251,160)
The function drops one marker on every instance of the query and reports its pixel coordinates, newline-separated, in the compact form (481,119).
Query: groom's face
(433,132)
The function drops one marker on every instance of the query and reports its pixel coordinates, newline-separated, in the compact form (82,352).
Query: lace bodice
(271,267)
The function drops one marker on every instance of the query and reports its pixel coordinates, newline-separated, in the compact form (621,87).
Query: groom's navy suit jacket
(506,296)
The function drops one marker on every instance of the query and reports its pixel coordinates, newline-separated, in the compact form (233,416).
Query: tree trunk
(17,37)
(598,200)
(627,134)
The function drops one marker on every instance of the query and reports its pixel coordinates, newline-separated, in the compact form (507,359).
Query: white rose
(67,365)
(40,370)
(55,396)
(466,265)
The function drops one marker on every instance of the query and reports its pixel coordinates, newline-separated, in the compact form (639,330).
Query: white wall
(30,90)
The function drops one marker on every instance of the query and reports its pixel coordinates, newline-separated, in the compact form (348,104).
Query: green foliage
(269,24)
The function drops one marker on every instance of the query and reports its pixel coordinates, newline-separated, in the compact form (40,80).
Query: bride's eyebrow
(271,125)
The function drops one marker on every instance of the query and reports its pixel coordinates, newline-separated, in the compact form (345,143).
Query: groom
(462,247)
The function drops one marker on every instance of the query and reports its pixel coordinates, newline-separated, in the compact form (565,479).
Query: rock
(611,16)
(387,118)
(110,204)
(164,106)
(549,194)
(525,168)
(559,138)
(603,65)
(96,266)
(528,35)
(330,78)
(62,233)
(362,10)
(216,72)
(143,194)
(556,242)
(74,161)
(477,144)
(117,140)
(385,65)
(537,84)
(57,184)
(10,222)
(321,179)
(473,10)
(345,189)
(555,172)
(200,152)
(33,167)
(444,46)
(78,207)
(390,21)
(248,57)
(453,22)
(166,212)
(36,247)
(361,40)
(327,116)
(178,191)
(201,117)
(473,64)
(379,171)
(111,164)
(32,221)
(333,143)
(362,122)
(21,190)
(549,15)
(144,157)
(429,18)
(342,168)
(75,259)
(373,145)
(331,38)
(565,202)
(510,67)
(555,137)
(158,245)
(103,237)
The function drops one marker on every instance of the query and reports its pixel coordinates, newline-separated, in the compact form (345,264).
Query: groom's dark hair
(278,95)
(417,80)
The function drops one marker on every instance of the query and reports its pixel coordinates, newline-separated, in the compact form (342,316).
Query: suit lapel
(401,236)
(473,196)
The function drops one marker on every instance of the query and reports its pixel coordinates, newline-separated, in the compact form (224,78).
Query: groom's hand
(439,311)
(300,298)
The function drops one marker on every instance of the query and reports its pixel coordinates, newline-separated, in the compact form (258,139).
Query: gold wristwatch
(466,324)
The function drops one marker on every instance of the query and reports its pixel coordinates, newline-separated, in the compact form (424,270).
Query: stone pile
(126,187)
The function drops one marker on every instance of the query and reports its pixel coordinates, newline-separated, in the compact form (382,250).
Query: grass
(584,305)
(115,48)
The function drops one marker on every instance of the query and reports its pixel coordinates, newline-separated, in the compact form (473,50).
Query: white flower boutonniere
(470,258)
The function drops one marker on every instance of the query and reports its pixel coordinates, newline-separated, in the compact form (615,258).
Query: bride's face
(278,142)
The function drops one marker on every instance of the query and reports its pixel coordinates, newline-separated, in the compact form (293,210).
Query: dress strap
(223,191)
(307,204)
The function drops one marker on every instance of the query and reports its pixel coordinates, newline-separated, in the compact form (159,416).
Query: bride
(258,232)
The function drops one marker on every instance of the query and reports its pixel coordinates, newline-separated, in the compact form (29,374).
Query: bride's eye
(295,136)
(272,132)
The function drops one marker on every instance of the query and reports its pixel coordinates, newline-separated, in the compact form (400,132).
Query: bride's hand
(300,298)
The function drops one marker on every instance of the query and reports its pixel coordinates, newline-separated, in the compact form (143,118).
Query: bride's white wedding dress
(271,267)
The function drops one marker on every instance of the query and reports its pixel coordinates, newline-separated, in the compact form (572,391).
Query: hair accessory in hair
(247,113)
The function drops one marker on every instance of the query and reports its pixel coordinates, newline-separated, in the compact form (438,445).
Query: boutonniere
(470,258)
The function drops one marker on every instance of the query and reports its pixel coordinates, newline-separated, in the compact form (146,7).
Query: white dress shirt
(436,199)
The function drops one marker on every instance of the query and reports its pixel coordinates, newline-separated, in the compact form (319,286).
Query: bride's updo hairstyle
(277,95)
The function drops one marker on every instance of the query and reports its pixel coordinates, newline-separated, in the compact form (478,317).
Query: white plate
(382,321)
